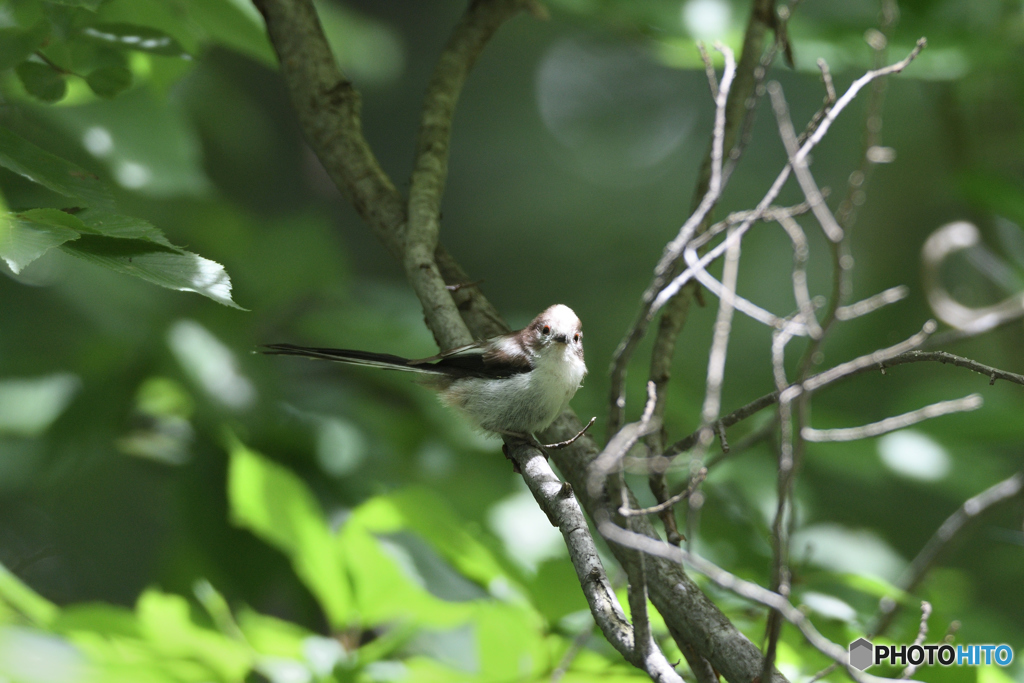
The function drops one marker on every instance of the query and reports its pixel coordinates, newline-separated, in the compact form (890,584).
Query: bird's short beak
(562,339)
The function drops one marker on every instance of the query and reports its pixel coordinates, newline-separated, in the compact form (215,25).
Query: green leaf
(29,406)
(166,622)
(16,44)
(120,133)
(97,619)
(235,24)
(63,177)
(427,514)
(42,81)
(270,635)
(161,265)
(108,81)
(26,601)
(389,583)
(132,37)
(556,590)
(27,236)
(276,505)
(124,227)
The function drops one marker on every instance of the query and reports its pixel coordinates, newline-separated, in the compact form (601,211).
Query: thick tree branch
(328,108)
(746,589)
(690,615)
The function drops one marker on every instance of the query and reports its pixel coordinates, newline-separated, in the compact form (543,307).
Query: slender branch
(872,303)
(801,292)
(922,633)
(611,457)
(671,254)
(557,501)
(800,167)
(821,380)
(790,422)
(478,24)
(852,91)
(943,536)
(717,288)
(679,281)
(702,473)
(719,344)
(891,424)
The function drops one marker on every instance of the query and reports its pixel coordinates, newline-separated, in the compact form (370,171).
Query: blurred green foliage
(175,508)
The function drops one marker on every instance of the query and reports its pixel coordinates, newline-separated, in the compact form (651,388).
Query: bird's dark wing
(499,357)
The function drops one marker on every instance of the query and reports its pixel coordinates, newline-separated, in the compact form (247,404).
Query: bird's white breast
(523,403)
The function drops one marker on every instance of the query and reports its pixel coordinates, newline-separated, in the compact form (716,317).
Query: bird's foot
(569,442)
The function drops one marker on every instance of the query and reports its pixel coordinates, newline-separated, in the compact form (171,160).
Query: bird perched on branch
(514,384)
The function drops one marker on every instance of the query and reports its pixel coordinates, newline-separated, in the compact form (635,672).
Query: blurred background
(576,147)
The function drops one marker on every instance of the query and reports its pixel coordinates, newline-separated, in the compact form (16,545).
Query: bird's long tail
(374,360)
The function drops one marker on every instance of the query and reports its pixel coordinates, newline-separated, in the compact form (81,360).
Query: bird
(514,384)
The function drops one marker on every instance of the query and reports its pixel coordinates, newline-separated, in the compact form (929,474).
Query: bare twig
(877,358)
(570,441)
(826,78)
(800,167)
(709,69)
(959,361)
(972,507)
(872,303)
(717,288)
(801,293)
(679,281)
(719,344)
(611,457)
(702,473)
(891,424)
(671,254)
(922,633)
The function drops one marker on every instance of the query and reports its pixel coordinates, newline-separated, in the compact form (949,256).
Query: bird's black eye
(546,329)
(576,337)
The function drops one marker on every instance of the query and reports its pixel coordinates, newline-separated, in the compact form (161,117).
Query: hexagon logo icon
(862,653)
